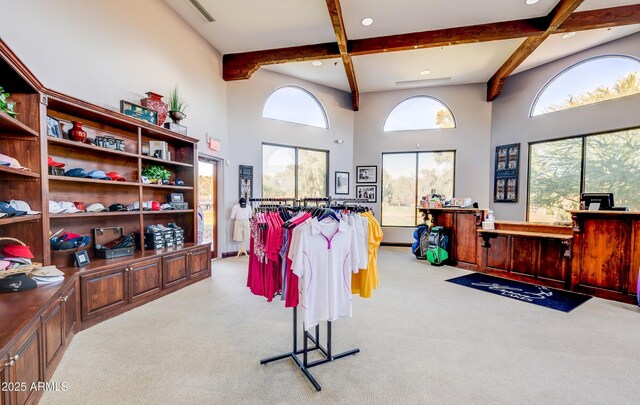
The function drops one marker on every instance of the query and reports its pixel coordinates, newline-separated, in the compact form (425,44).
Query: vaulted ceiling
(456,41)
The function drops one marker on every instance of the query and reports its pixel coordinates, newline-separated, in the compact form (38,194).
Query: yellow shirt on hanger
(367,280)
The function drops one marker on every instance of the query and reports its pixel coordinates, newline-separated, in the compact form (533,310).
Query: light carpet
(422,341)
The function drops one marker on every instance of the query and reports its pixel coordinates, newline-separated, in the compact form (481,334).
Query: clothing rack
(304,364)
(306,201)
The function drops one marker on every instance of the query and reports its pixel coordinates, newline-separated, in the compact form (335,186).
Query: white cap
(55,208)
(22,206)
(166,206)
(134,207)
(69,207)
(96,207)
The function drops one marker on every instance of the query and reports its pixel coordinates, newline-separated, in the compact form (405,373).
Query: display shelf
(13,126)
(167,162)
(88,147)
(17,172)
(23,218)
(94,181)
(93,214)
(167,212)
(168,186)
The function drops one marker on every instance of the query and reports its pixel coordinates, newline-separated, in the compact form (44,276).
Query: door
(25,366)
(103,292)
(145,279)
(53,335)
(208,203)
(174,269)
(199,262)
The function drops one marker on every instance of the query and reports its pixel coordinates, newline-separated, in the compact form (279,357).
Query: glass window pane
(612,165)
(278,172)
(399,189)
(294,104)
(421,112)
(554,180)
(589,82)
(312,173)
(435,172)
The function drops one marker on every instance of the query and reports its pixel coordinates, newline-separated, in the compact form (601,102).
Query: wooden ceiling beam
(240,66)
(560,13)
(335,12)
(603,18)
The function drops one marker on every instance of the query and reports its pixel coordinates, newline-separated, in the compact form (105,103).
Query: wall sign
(506,175)
(246,182)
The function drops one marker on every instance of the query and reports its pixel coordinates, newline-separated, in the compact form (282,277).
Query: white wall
(248,130)
(511,122)
(470,139)
(104,51)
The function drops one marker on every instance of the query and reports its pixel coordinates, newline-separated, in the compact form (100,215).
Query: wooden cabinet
(70,296)
(53,336)
(199,263)
(145,279)
(174,269)
(104,291)
(23,367)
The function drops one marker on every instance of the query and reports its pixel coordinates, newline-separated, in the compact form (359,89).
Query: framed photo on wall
(246,182)
(342,183)
(506,173)
(368,193)
(366,174)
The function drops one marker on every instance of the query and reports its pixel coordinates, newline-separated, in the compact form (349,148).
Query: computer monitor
(597,201)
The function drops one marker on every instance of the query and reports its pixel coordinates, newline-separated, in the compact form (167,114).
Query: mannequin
(241,214)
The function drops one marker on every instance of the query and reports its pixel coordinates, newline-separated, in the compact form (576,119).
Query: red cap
(69,236)
(17,251)
(53,163)
(80,205)
(155,206)
(116,176)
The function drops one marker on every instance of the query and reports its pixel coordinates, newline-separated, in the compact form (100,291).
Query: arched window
(297,105)
(419,112)
(590,81)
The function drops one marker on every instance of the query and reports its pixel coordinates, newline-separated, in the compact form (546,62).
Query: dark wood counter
(606,253)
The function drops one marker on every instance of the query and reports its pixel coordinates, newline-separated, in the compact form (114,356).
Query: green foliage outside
(312,177)
(444,119)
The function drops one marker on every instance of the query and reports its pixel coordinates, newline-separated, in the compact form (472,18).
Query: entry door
(208,202)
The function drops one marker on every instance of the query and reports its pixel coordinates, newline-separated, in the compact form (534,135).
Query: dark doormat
(535,294)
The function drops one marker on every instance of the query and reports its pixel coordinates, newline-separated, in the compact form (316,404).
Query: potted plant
(156,174)
(177,106)
(6,105)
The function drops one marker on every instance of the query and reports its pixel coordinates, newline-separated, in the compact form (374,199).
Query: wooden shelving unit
(22,218)
(6,170)
(106,183)
(11,126)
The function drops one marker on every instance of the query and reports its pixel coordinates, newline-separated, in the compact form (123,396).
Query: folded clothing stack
(47,275)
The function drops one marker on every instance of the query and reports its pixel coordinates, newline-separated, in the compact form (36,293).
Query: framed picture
(246,182)
(370,193)
(139,112)
(53,128)
(366,174)
(342,183)
(506,173)
(177,197)
(81,258)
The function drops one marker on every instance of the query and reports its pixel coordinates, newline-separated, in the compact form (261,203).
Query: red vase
(77,133)
(154,102)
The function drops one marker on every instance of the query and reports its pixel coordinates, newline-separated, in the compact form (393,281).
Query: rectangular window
(560,170)
(406,177)
(291,172)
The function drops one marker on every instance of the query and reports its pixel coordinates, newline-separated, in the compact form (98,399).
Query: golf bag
(437,248)
(419,248)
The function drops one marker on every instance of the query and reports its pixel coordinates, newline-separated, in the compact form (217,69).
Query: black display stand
(304,364)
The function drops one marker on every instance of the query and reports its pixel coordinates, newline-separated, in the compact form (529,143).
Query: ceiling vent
(424,82)
(202,10)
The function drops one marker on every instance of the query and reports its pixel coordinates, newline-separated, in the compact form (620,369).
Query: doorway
(208,169)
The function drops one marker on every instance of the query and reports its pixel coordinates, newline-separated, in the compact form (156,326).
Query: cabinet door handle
(127,268)
(64,299)
(10,363)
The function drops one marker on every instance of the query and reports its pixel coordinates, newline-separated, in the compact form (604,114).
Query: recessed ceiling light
(317,63)
(425,72)
(367,21)
(568,35)
(531,2)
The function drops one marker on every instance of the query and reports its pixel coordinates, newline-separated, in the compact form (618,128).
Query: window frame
(568,68)
(296,149)
(322,109)
(416,182)
(455,121)
(583,156)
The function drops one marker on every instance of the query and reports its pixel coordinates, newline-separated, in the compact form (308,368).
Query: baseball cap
(4,264)
(16,282)
(55,208)
(77,172)
(117,207)
(80,205)
(155,206)
(20,205)
(69,207)
(98,174)
(47,271)
(145,179)
(96,207)
(115,176)
(17,251)
(8,209)
(53,163)
(178,182)
(166,206)
(12,162)
(134,207)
